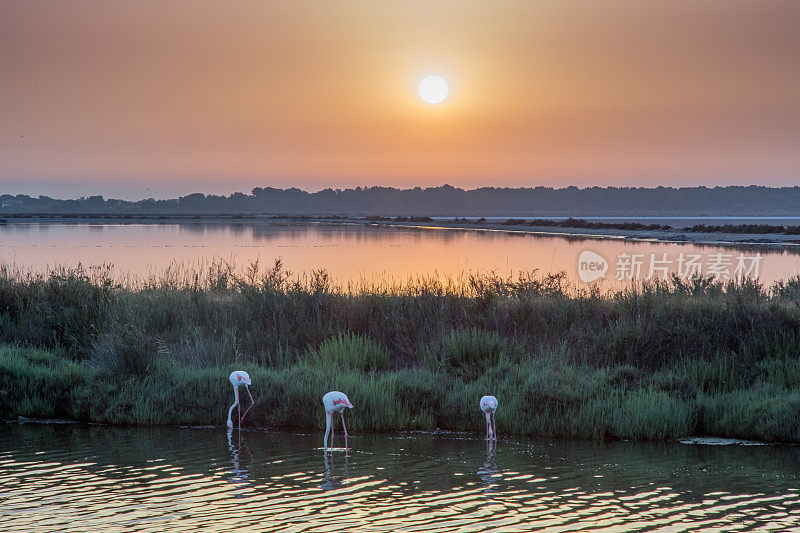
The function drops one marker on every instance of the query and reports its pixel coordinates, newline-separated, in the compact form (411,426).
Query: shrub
(125,351)
(349,351)
(470,353)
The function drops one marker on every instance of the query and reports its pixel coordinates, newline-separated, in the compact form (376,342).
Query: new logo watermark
(591,266)
(635,267)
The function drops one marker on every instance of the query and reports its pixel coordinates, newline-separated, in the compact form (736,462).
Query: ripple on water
(93,478)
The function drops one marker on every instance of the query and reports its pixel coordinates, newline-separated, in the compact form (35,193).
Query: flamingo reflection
(489,472)
(331,480)
(238,473)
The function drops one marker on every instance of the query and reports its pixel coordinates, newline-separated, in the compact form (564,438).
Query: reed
(654,361)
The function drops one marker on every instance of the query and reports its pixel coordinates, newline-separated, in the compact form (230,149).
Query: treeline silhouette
(441,201)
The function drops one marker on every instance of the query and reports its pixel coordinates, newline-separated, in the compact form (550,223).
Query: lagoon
(357,252)
(74,477)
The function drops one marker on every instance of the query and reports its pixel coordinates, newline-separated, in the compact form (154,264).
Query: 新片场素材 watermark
(719,266)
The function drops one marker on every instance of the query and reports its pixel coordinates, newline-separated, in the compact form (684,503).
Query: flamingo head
(240,378)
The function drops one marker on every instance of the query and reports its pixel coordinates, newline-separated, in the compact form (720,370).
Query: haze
(184,96)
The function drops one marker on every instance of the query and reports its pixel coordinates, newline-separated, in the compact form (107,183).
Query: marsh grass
(345,350)
(654,361)
(471,353)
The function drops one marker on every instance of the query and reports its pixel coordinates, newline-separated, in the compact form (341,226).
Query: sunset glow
(216,97)
(399,266)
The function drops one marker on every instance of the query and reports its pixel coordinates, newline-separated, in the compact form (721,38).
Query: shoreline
(699,440)
(674,235)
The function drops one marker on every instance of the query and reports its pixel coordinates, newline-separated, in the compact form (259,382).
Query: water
(95,478)
(359,252)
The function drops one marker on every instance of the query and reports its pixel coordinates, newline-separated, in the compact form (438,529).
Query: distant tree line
(441,201)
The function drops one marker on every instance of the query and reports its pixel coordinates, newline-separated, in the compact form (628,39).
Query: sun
(433,89)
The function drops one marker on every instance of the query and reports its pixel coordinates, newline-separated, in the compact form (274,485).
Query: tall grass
(348,351)
(470,353)
(654,361)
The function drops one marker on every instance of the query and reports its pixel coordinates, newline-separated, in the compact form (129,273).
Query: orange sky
(223,96)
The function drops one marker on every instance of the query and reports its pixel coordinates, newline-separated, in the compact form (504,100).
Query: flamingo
(334,402)
(489,406)
(239,378)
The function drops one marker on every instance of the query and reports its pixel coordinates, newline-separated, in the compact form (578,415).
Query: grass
(655,361)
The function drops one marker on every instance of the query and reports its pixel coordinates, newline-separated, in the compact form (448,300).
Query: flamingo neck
(235,403)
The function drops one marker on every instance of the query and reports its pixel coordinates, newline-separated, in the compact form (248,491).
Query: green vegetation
(636,226)
(657,361)
(581,223)
(744,228)
(378,218)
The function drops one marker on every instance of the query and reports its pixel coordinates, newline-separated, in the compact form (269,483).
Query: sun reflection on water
(96,478)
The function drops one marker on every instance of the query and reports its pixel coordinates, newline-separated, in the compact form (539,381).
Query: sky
(158,98)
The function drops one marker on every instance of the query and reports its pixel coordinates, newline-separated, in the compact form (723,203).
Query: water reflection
(348,252)
(332,478)
(98,478)
(238,447)
(488,472)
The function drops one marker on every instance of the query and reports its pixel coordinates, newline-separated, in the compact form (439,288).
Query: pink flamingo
(334,402)
(489,406)
(239,378)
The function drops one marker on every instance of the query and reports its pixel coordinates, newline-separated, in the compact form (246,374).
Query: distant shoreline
(714,235)
(662,235)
